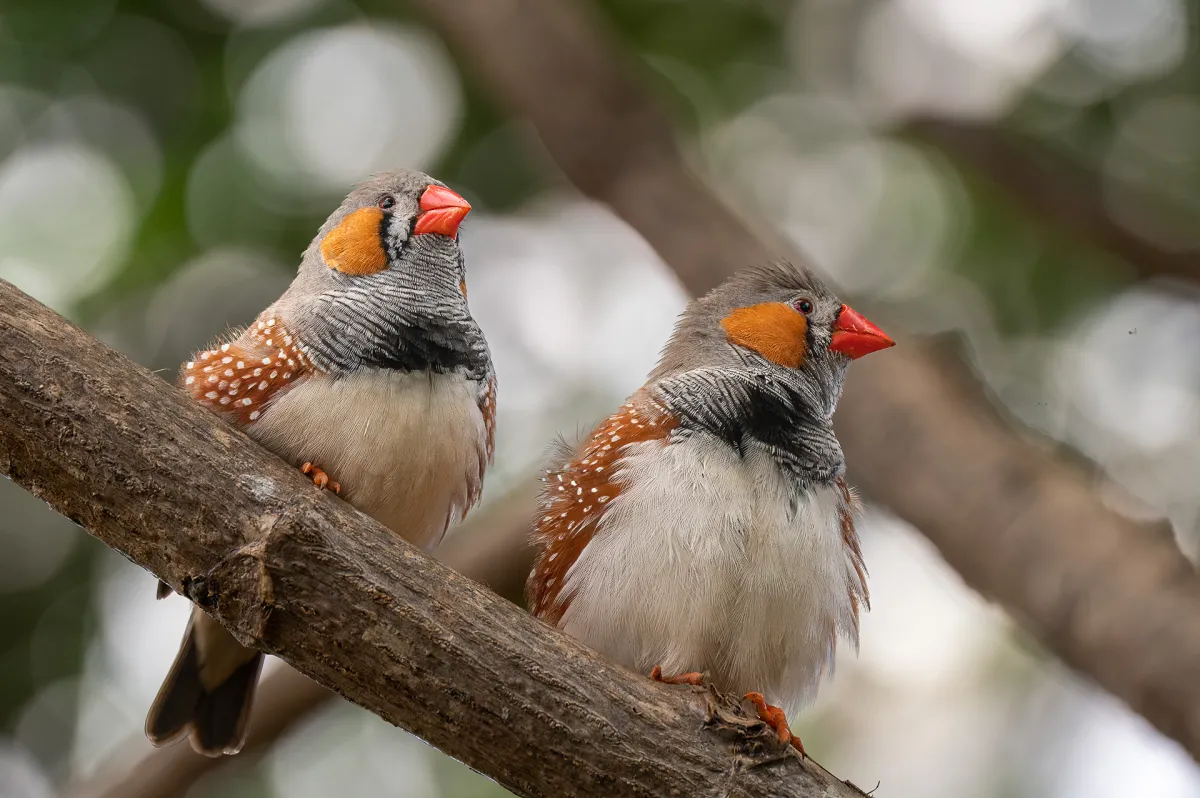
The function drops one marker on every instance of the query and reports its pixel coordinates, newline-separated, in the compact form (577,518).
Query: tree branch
(492,548)
(1114,599)
(302,575)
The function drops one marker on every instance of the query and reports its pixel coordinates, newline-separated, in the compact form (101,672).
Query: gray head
(777,318)
(371,229)
(383,284)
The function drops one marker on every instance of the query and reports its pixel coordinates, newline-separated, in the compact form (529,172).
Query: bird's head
(383,284)
(779,317)
(399,220)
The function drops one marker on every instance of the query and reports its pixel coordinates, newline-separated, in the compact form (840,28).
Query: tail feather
(222,716)
(171,713)
(215,712)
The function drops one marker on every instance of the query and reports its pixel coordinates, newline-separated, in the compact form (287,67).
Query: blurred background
(164,162)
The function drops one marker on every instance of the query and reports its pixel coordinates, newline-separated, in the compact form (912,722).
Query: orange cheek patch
(774,330)
(355,245)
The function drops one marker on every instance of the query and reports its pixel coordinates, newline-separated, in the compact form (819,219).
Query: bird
(372,377)
(704,533)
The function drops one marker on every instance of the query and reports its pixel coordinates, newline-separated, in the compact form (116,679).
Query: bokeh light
(164,165)
(262,12)
(66,215)
(333,106)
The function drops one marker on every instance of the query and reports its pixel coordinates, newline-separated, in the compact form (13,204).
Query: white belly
(699,565)
(407,448)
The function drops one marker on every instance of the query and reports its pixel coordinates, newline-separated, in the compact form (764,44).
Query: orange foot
(774,717)
(683,678)
(320,478)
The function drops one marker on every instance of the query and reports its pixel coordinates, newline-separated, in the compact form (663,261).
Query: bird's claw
(684,678)
(320,478)
(773,716)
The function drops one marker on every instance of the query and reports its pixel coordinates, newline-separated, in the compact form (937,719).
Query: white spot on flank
(224,400)
(191,363)
(224,347)
(807,542)
(271,322)
(241,365)
(213,378)
(262,385)
(246,402)
(189,380)
(266,361)
(553,554)
(257,372)
(228,372)
(210,395)
(227,359)
(254,415)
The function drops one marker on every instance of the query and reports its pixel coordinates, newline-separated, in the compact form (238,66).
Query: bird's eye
(387,202)
(803,305)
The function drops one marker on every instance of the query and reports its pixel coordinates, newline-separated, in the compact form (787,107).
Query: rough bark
(1115,599)
(300,574)
(492,548)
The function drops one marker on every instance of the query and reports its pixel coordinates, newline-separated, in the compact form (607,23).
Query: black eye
(803,305)
(387,202)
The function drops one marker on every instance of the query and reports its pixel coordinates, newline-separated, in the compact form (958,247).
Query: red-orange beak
(442,211)
(854,336)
